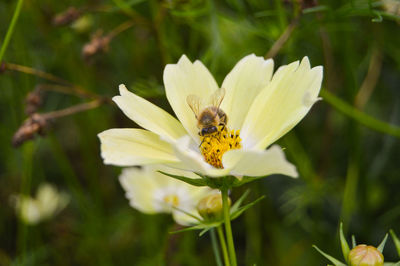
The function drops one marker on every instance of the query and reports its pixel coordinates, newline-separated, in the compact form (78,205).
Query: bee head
(208,130)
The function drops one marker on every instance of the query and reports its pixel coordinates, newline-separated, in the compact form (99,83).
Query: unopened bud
(67,17)
(33,101)
(97,44)
(363,255)
(35,124)
(210,207)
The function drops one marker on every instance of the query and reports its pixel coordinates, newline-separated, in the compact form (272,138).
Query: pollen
(213,146)
(172,200)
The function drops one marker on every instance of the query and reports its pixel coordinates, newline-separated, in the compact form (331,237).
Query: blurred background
(65,60)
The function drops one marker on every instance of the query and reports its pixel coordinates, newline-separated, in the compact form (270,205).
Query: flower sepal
(204,181)
(362,254)
(396,241)
(198,182)
(235,211)
(216,183)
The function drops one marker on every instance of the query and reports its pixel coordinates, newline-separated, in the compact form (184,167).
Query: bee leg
(201,142)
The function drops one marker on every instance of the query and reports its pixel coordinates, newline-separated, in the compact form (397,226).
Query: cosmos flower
(260,107)
(47,203)
(152,192)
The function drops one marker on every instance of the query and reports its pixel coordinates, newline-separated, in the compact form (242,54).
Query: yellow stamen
(213,146)
(172,200)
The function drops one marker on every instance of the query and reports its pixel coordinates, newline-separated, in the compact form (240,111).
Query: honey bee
(210,116)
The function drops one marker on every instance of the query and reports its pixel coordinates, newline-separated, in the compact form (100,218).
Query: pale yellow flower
(47,203)
(152,192)
(261,107)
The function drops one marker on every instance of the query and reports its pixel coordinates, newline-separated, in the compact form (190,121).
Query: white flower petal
(183,79)
(259,162)
(47,203)
(129,147)
(189,154)
(50,201)
(146,190)
(282,104)
(139,187)
(249,76)
(148,115)
(189,205)
(28,209)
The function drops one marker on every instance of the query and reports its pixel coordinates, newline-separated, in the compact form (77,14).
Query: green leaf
(239,201)
(191,228)
(188,214)
(382,244)
(198,182)
(329,257)
(244,208)
(205,230)
(201,226)
(205,226)
(359,116)
(353,241)
(396,241)
(245,180)
(319,8)
(344,244)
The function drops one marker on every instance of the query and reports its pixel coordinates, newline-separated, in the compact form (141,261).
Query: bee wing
(217,97)
(194,103)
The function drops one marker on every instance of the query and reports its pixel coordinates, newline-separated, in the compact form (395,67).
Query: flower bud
(210,207)
(363,255)
(67,17)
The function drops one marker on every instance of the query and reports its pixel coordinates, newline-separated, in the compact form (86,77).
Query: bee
(210,116)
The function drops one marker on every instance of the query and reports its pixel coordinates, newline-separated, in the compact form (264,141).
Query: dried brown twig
(32,126)
(73,109)
(278,44)
(63,86)
(71,90)
(100,43)
(370,81)
(34,72)
(67,17)
(36,123)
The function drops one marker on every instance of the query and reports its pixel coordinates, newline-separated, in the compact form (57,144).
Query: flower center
(172,200)
(214,145)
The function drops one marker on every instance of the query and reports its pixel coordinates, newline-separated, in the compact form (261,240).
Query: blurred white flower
(152,192)
(260,106)
(392,6)
(47,203)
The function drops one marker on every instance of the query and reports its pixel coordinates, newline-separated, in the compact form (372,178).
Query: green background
(348,172)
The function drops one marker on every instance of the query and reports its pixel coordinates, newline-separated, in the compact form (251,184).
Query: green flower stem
(359,116)
(215,247)
(223,245)
(10,29)
(228,229)
(23,230)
